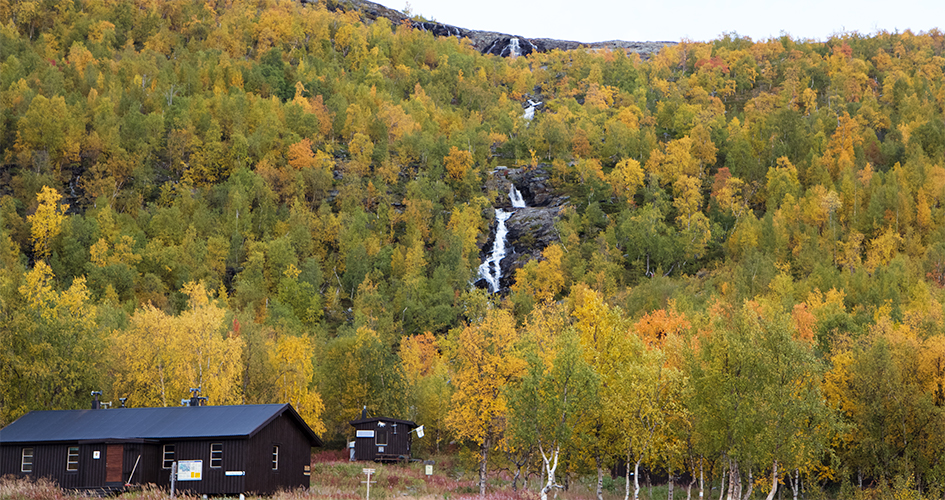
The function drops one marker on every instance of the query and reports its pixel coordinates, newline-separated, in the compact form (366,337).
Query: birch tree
(555,395)
(484,358)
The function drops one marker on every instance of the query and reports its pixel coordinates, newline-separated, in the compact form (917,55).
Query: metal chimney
(95,402)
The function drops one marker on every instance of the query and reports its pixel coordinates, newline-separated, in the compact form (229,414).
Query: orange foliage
(804,322)
(656,326)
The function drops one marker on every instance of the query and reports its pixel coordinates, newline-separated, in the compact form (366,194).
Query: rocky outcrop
(488,42)
(530,229)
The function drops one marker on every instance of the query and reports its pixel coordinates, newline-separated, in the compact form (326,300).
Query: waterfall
(491,269)
(530,110)
(514,48)
(516,198)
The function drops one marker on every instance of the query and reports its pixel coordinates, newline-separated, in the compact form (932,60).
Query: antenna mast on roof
(196,399)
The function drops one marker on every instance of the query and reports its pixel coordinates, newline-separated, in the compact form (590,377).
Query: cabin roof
(383,419)
(149,423)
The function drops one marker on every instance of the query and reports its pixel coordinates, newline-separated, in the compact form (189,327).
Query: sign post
(173,477)
(368,482)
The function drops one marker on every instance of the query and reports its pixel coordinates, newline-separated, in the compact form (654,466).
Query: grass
(335,478)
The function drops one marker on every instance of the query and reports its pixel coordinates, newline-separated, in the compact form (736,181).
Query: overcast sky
(601,20)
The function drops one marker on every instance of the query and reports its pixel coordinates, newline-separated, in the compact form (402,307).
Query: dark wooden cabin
(382,439)
(238,449)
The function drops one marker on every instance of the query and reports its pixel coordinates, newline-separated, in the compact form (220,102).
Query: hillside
(489,42)
(731,260)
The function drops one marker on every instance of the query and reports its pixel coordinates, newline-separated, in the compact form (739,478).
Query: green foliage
(324,178)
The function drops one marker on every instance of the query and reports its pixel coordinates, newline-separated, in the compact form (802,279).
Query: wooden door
(114,457)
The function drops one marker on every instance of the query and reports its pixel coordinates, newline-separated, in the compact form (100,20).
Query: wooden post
(368,482)
(173,477)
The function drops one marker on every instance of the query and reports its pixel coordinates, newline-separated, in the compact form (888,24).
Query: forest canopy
(281,202)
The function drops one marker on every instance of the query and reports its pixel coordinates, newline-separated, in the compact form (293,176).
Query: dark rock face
(530,229)
(489,42)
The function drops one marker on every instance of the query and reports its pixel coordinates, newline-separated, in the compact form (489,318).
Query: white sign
(364,434)
(367,471)
(420,431)
(429,470)
(189,470)
(96,454)
(235,473)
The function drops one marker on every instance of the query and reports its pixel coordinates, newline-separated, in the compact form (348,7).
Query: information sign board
(189,470)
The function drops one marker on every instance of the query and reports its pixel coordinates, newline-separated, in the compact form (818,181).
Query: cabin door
(114,457)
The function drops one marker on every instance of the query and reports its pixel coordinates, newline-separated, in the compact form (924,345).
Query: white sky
(652,20)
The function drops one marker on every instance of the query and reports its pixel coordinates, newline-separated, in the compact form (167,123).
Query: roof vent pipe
(123,402)
(196,399)
(95,402)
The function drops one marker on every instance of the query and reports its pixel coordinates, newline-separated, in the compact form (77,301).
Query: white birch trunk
(734,481)
(774,481)
(751,486)
(701,481)
(551,463)
(669,487)
(722,485)
(796,483)
(626,494)
(483,462)
(600,477)
(636,480)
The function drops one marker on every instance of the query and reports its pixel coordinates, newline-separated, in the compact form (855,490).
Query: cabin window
(26,460)
(216,455)
(72,459)
(275,457)
(380,437)
(168,456)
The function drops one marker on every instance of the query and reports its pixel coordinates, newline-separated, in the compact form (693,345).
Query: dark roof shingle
(147,423)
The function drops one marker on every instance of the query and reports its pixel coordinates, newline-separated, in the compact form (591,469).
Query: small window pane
(275,457)
(168,456)
(381,437)
(26,460)
(72,461)
(216,455)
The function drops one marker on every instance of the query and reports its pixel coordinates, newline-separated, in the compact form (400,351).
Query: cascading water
(516,198)
(491,269)
(514,48)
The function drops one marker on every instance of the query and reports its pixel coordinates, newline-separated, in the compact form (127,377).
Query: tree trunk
(669,488)
(636,480)
(751,486)
(483,458)
(600,475)
(722,485)
(626,495)
(734,481)
(551,463)
(796,483)
(774,481)
(701,481)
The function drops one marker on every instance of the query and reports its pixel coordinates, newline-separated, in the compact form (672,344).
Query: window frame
(275,457)
(377,437)
(27,466)
(168,464)
(219,458)
(72,459)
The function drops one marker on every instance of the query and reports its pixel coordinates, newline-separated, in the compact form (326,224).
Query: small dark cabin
(382,439)
(229,449)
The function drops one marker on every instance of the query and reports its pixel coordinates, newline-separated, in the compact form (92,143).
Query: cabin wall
(49,461)
(214,481)
(295,455)
(398,445)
